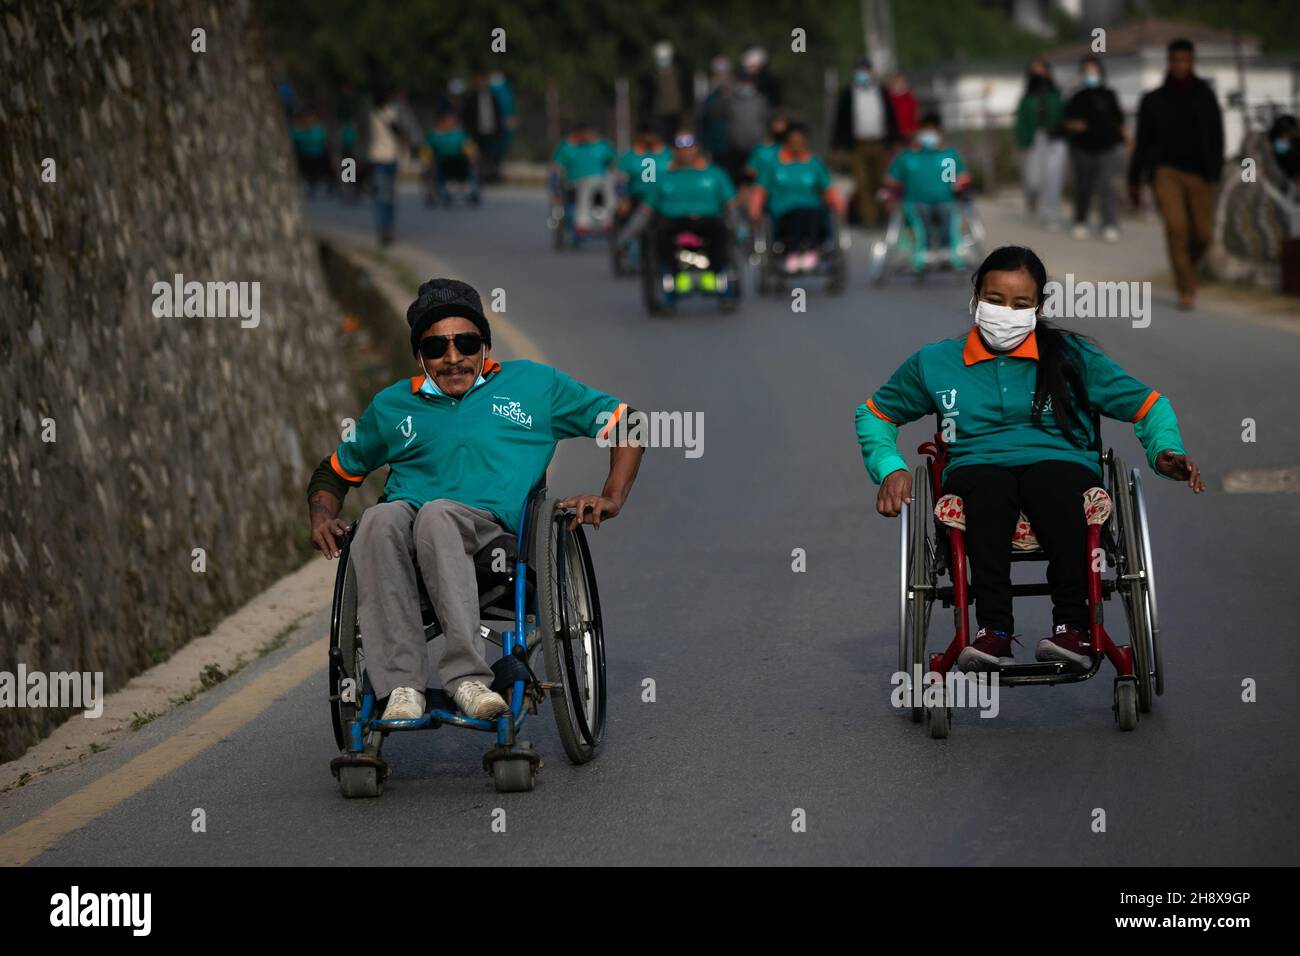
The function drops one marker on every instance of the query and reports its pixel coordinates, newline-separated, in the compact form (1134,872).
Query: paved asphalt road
(773,686)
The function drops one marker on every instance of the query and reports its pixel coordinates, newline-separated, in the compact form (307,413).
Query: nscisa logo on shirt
(511,411)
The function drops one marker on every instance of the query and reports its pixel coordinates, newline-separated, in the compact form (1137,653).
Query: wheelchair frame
(929,550)
(884,259)
(539,591)
(834,265)
(658,288)
(561,214)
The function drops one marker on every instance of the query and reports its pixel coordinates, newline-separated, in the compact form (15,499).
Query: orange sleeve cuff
(613,420)
(878,413)
(338,470)
(1146,406)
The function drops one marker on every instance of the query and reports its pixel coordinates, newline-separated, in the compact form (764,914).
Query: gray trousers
(1094,173)
(443,536)
(1044,175)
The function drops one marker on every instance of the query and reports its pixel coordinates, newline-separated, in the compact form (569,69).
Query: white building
(975,96)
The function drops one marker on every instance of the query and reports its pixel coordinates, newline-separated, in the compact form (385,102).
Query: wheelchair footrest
(1036,669)
(360,760)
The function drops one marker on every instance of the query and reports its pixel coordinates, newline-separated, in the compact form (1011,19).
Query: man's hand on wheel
(589,509)
(324,533)
(894,492)
(1180,468)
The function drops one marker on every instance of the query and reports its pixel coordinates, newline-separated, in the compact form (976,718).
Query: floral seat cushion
(950,511)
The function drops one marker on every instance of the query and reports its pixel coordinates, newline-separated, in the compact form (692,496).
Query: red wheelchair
(932,550)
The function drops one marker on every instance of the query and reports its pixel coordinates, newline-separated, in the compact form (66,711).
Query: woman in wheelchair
(1017,398)
(795,188)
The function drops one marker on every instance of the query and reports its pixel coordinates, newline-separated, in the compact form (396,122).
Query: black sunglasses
(435,346)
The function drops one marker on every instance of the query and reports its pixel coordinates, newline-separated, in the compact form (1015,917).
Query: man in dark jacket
(483,120)
(1179,150)
(866,129)
(1096,128)
(667,93)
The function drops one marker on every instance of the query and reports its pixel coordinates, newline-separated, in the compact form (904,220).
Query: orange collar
(490,366)
(975,350)
(786,156)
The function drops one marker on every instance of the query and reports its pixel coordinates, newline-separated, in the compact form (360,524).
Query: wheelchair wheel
(915,583)
(884,250)
(652,290)
(357,782)
(513,776)
(1133,579)
(569,624)
(1148,565)
(347,658)
(1126,705)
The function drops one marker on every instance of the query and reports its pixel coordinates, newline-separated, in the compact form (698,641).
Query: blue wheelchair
(542,582)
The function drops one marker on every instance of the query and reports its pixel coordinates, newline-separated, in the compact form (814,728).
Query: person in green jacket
(452,157)
(581,167)
(1041,135)
(1016,397)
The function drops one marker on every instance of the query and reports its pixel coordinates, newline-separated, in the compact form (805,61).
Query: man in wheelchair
(928,179)
(1017,397)
(465,442)
(693,196)
(794,188)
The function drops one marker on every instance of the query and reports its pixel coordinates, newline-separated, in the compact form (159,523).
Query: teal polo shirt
(486,449)
(448,142)
(989,399)
(632,164)
(761,156)
(692,191)
(794,184)
(580,160)
(310,140)
(921,174)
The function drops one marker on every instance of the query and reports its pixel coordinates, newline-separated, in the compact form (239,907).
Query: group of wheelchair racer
(668,209)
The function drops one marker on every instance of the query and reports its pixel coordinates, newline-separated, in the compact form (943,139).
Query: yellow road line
(28,840)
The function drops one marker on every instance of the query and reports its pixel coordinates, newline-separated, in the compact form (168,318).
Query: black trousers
(1050,493)
(802,229)
(709,228)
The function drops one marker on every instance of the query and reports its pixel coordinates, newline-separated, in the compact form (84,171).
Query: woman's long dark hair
(1060,373)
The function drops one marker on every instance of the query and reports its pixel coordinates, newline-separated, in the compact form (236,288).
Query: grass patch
(138,719)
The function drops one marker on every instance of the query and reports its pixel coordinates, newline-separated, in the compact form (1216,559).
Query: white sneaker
(475,700)
(1080,231)
(1110,234)
(404,703)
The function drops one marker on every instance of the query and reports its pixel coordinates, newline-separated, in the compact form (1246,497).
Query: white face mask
(431,387)
(1004,328)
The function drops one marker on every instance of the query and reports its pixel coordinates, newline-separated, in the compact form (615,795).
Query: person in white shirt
(866,130)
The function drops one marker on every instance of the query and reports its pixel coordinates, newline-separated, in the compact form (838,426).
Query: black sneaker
(988,652)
